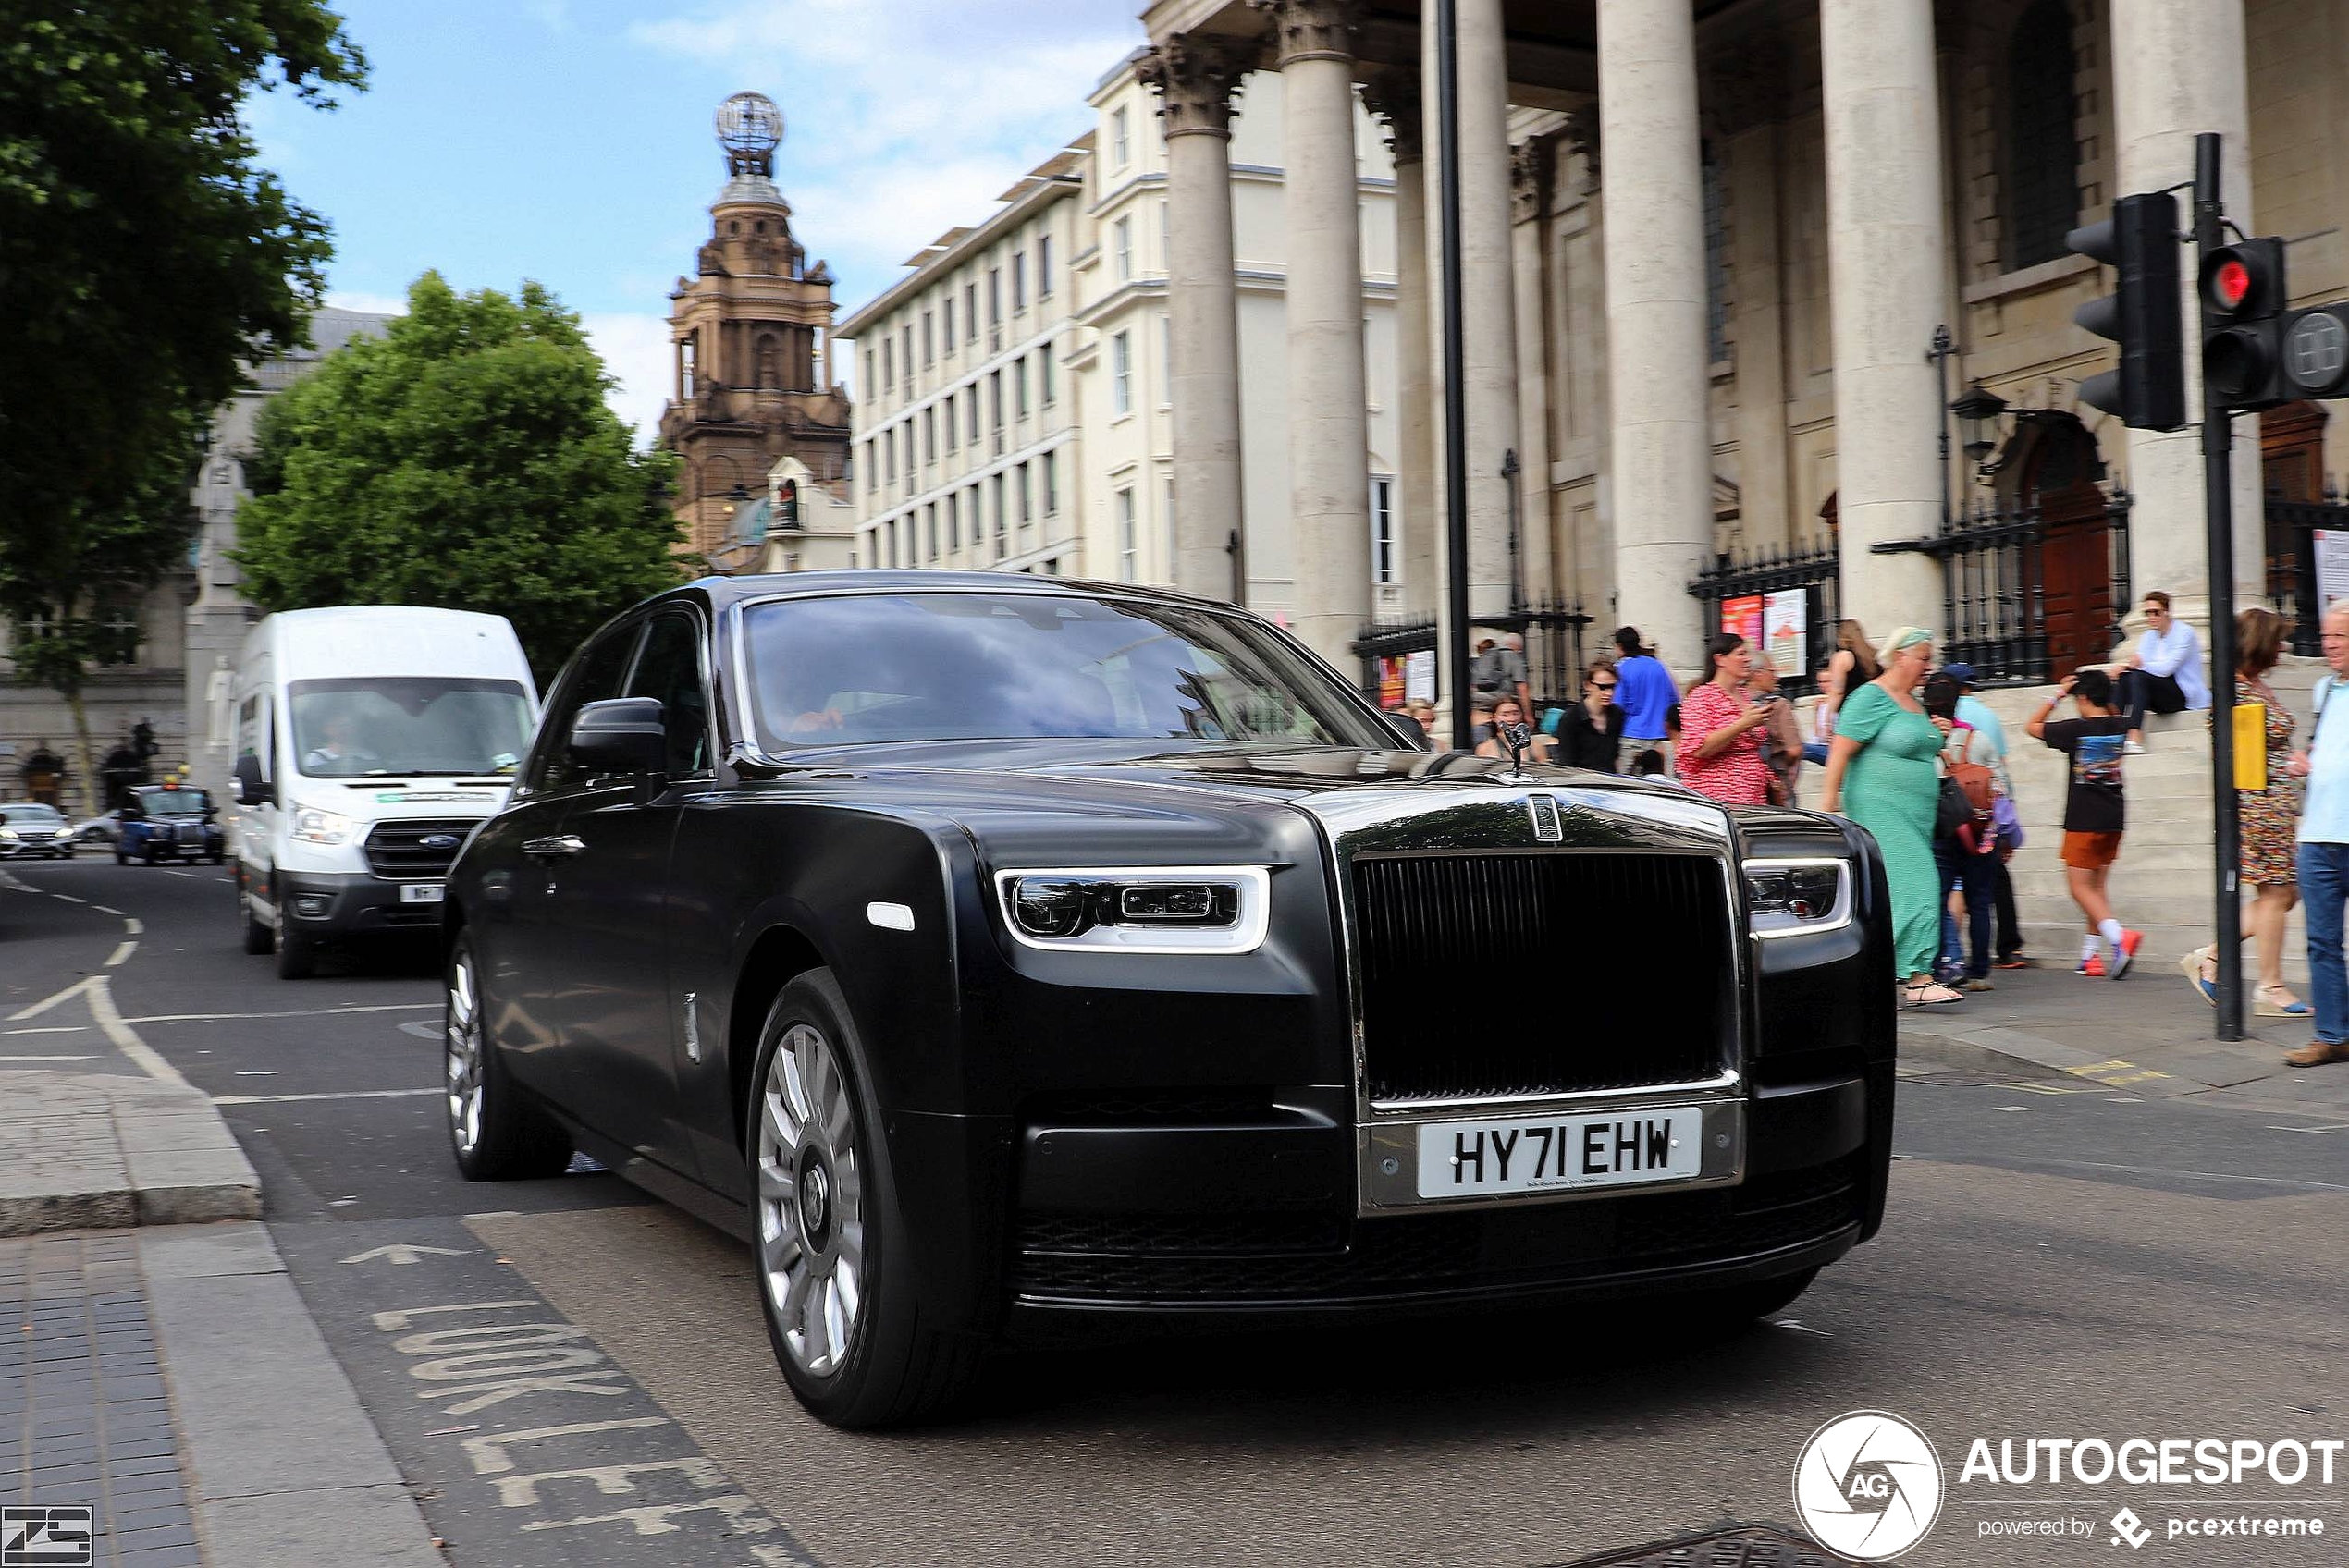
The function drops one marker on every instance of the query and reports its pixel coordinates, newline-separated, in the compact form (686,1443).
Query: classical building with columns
(1708,248)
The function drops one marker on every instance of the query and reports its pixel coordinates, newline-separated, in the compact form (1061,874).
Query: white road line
(130,922)
(69,898)
(310,1012)
(48,1059)
(2336,1127)
(125,1039)
(2030,1160)
(344,1094)
(190,875)
(109,909)
(121,953)
(37,1009)
(49,1029)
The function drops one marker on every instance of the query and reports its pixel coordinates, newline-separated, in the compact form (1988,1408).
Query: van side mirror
(620,735)
(251,788)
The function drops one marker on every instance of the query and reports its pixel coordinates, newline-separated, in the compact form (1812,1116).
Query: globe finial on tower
(750,128)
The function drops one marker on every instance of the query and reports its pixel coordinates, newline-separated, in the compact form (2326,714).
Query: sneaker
(2132,750)
(2092,966)
(2130,942)
(2015,960)
(1980,983)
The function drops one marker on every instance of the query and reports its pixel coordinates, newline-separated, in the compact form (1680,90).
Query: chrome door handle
(553,847)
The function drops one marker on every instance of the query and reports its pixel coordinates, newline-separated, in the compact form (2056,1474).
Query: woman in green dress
(1882,774)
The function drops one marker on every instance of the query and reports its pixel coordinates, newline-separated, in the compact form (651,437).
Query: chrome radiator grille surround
(398,849)
(1463,961)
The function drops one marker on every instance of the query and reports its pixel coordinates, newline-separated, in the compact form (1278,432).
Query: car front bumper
(338,906)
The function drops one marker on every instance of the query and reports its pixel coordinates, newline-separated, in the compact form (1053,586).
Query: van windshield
(373,726)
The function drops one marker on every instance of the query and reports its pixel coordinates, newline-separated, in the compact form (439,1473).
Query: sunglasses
(1603,685)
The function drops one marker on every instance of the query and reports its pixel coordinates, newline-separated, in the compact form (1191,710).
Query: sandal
(2191,967)
(1929,993)
(2290,1007)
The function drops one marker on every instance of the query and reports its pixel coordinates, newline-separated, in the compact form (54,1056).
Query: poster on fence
(2332,567)
(1786,627)
(1418,676)
(1742,616)
(1390,683)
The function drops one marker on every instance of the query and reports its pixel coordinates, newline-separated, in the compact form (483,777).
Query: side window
(669,669)
(594,677)
(252,732)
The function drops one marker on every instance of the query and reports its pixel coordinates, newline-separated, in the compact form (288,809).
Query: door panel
(2078,586)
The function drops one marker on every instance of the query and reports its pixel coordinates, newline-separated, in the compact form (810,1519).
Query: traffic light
(2141,241)
(2242,327)
(787,494)
(2316,352)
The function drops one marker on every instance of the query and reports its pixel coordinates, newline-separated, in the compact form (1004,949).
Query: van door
(256,730)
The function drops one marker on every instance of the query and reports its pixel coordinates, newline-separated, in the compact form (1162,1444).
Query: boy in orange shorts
(2094,813)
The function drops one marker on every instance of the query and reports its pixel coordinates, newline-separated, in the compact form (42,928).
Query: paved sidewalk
(92,1150)
(2148,1033)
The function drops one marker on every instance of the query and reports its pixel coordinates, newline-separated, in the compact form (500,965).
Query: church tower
(752,337)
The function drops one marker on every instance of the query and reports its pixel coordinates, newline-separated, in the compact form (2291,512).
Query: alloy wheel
(464,1053)
(811,1210)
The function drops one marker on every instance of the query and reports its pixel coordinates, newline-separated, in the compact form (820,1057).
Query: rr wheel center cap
(815,1202)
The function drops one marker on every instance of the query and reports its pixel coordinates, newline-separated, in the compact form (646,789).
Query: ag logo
(1867,1485)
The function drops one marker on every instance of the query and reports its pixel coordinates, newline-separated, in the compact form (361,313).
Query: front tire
(121,858)
(496,1134)
(259,938)
(841,1294)
(297,955)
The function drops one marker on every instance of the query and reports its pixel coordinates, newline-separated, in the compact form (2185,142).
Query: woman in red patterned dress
(1721,729)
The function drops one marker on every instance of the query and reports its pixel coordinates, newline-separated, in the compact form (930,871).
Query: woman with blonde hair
(1887,749)
(1851,664)
(2270,819)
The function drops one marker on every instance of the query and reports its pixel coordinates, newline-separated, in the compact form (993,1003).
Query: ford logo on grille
(439,841)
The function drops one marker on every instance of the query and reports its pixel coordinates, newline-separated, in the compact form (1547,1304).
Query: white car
(29,830)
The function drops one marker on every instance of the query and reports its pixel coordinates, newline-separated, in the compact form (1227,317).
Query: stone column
(1529,217)
(1660,482)
(1887,263)
(1195,79)
(1328,400)
(1488,298)
(2178,67)
(1394,96)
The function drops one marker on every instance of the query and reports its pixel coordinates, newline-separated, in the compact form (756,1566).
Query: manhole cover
(1750,1546)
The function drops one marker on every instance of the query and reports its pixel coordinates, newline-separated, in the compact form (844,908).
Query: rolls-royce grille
(418,850)
(1274,1258)
(1486,975)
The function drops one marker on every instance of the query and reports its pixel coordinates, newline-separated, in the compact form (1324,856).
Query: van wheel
(496,1135)
(259,938)
(297,955)
(121,859)
(839,1287)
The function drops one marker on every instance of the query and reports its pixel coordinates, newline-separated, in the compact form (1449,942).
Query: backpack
(1968,796)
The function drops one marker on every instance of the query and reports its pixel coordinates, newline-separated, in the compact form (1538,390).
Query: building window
(1043,266)
(1166,360)
(872,469)
(929,435)
(1019,386)
(1717,262)
(1049,465)
(974,413)
(1019,482)
(1165,238)
(888,452)
(950,422)
(686,369)
(929,352)
(929,527)
(909,335)
(953,525)
(2042,150)
(1129,544)
(1121,374)
(1002,521)
(889,366)
(1119,142)
(1385,566)
(994,300)
(1124,232)
(1019,281)
(970,313)
(946,321)
(1044,377)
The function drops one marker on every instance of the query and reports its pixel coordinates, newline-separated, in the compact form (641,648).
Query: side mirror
(1408,730)
(251,790)
(622,735)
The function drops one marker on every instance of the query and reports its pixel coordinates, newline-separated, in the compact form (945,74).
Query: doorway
(2056,471)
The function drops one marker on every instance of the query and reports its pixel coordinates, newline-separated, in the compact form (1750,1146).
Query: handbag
(2009,818)
(1954,812)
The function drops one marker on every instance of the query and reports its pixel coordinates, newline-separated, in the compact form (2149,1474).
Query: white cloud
(906,118)
(635,350)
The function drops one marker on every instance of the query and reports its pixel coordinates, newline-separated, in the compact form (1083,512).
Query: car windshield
(958,665)
(396,725)
(43,816)
(174,803)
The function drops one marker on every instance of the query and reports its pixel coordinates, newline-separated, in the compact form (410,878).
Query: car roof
(722,591)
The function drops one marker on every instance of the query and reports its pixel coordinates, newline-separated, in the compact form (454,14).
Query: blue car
(169,821)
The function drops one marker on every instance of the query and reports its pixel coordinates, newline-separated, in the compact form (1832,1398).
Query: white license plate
(1550,1153)
(420,892)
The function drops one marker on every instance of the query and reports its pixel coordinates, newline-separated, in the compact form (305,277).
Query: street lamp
(1509,471)
(1978,410)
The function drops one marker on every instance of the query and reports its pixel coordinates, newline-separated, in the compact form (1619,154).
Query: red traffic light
(2229,281)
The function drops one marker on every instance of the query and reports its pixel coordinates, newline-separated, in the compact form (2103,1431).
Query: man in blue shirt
(2324,848)
(1643,689)
(2165,674)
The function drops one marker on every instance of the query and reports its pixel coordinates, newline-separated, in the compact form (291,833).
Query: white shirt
(2176,653)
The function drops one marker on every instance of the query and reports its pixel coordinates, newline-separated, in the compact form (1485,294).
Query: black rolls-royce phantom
(988,951)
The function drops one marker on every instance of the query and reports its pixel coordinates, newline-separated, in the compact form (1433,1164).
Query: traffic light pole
(2218,499)
(1456,553)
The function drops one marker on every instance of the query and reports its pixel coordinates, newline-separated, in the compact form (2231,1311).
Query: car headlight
(1139,908)
(7,832)
(314,826)
(1797,898)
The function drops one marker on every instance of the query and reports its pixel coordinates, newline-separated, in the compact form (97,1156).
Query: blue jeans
(1815,752)
(2324,886)
(1977,875)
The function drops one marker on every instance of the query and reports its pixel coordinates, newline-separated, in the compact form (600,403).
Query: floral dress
(2270,816)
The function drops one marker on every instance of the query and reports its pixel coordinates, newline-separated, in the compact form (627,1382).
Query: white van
(370,740)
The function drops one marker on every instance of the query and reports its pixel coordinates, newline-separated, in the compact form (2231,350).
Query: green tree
(100,560)
(467,459)
(143,252)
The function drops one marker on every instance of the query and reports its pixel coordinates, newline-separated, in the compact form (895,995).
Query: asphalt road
(568,1372)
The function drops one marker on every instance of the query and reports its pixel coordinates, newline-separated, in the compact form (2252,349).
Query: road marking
(2157,1170)
(2021,1107)
(2114,1073)
(306,1013)
(190,875)
(48,1059)
(125,1039)
(2336,1127)
(344,1094)
(121,953)
(69,898)
(131,923)
(490,1456)
(403,1252)
(109,909)
(36,1009)
(50,1029)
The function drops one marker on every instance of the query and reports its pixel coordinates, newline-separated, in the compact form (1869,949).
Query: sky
(570,141)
